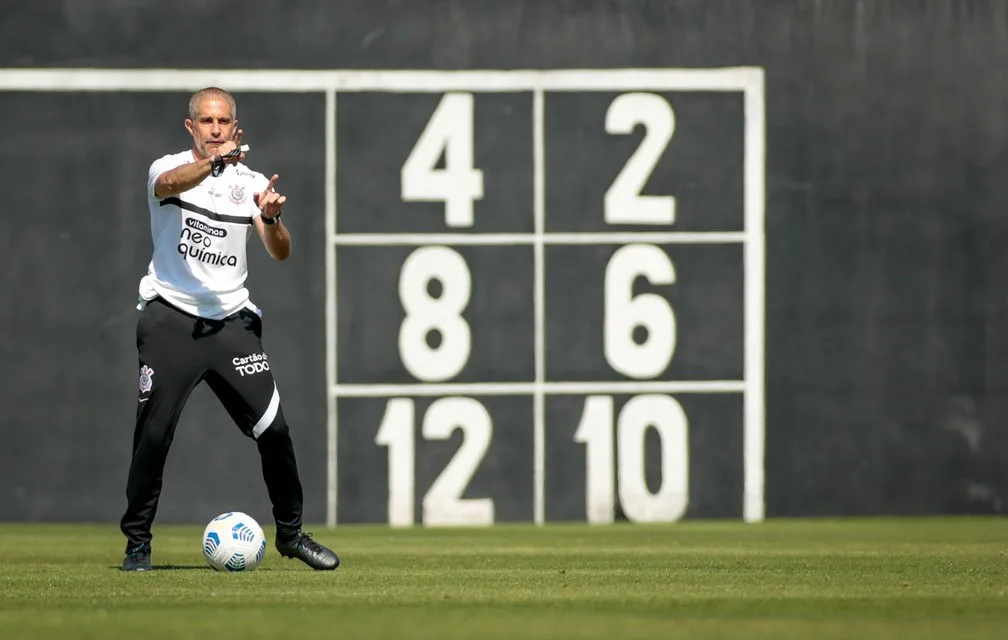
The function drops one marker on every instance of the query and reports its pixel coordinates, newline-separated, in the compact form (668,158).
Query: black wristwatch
(273,220)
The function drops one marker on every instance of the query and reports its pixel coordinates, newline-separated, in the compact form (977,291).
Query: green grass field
(889,578)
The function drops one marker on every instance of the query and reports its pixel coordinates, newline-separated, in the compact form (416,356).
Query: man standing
(197,322)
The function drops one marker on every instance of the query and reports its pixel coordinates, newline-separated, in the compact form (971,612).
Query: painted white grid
(749,81)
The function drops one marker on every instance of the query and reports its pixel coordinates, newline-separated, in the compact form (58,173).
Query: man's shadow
(181,567)
(170,567)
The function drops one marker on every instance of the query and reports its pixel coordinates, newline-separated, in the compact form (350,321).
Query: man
(197,322)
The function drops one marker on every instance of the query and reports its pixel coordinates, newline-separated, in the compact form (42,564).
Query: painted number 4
(449,132)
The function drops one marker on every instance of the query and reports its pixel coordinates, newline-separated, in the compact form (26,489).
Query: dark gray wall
(885,275)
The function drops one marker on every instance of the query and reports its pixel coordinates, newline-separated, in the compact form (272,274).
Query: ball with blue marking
(234,541)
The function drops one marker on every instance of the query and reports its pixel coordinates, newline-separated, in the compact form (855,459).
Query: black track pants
(177,351)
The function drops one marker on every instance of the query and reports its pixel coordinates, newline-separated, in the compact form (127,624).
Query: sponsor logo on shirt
(196,242)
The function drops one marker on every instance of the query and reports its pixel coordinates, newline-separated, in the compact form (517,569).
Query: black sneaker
(137,558)
(304,548)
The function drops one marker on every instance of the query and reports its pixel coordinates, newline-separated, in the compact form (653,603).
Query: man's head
(213,120)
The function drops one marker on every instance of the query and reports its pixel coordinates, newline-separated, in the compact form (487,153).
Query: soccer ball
(234,541)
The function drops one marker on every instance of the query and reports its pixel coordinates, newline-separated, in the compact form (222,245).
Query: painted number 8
(440,312)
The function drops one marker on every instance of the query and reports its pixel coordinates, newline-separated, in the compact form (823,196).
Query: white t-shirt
(200,236)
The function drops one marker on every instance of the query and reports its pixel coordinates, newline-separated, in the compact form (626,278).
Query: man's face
(212,127)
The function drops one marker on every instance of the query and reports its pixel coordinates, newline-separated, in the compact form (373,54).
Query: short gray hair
(211,93)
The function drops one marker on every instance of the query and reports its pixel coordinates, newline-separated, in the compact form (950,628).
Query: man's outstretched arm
(186,176)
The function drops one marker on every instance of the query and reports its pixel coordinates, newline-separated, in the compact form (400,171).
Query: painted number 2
(442,504)
(624,203)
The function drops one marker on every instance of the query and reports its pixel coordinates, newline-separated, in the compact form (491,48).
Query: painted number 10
(596,431)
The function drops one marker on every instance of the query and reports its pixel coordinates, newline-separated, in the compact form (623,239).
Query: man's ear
(189,126)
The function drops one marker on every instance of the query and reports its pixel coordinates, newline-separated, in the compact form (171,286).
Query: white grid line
(539,300)
(514,239)
(346,81)
(754,275)
(529,388)
(332,420)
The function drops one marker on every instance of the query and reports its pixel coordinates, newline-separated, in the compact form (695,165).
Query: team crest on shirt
(146,379)
(237,194)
